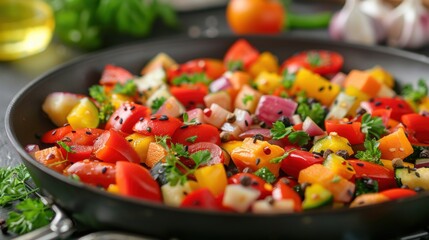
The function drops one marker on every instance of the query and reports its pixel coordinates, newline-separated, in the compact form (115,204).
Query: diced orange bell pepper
(155,153)
(395,145)
(212,177)
(52,158)
(363,81)
(257,154)
(342,189)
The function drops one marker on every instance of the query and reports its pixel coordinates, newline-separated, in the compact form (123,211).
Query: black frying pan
(99,210)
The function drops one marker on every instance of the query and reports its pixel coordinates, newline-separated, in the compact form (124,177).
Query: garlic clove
(408,25)
(378,11)
(350,24)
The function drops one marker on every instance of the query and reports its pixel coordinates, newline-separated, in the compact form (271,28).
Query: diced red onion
(220,84)
(243,119)
(217,116)
(310,127)
(197,114)
(260,131)
(422,162)
(31,149)
(271,108)
(171,107)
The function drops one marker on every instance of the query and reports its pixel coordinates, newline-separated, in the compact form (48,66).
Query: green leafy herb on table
(90,24)
(12,187)
(30,214)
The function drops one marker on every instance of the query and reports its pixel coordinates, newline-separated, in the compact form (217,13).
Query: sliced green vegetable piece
(413,178)
(316,196)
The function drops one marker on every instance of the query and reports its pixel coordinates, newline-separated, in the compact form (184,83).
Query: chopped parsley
(280,158)
(415,95)
(279,131)
(247,98)
(191,139)
(265,174)
(105,109)
(373,127)
(371,153)
(235,65)
(314,59)
(191,79)
(186,120)
(315,111)
(129,88)
(98,93)
(12,185)
(365,185)
(288,79)
(157,103)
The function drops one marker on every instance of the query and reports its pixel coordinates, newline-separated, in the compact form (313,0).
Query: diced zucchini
(316,196)
(412,178)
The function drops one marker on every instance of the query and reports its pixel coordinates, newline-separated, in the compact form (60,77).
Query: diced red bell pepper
(188,135)
(298,160)
(190,95)
(418,126)
(111,146)
(350,130)
(114,74)
(78,153)
(126,116)
(213,68)
(398,105)
(396,193)
(158,125)
(242,51)
(282,191)
(82,136)
(55,135)
(248,179)
(384,176)
(202,199)
(136,181)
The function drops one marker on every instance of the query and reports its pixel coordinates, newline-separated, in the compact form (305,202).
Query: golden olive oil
(26,28)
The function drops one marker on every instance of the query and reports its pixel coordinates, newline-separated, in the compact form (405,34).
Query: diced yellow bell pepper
(315,86)
(360,97)
(118,99)
(267,82)
(388,164)
(266,62)
(257,154)
(381,75)
(339,166)
(113,188)
(140,143)
(333,142)
(83,115)
(174,195)
(212,177)
(424,105)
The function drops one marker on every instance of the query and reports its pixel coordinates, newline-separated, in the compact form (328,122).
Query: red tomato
(158,125)
(350,130)
(217,155)
(196,133)
(190,95)
(248,179)
(56,134)
(384,176)
(126,116)
(418,125)
(202,199)
(78,153)
(242,51)
(114,74)
(298,160)
(135,181)
(83,136)
(398,106)
(213,68)
(111,146)
(396,193)
(255,16)
(93,172)
(318,61)
(282,191)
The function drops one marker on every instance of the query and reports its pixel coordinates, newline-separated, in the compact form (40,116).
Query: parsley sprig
(157,103)
(314,110)
(105,109)
(373,127)
(129,88)
(415,95)
(12,184)
(279,131)
(176,171)
(30,214)
(191,79)
(288,79)
(371,153)
(265,174)
(188,122)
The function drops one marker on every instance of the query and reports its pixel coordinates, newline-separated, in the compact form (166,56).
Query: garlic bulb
(408,25)
(378,11)
(350,24)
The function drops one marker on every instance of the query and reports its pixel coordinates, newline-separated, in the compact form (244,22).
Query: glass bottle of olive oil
(26,28)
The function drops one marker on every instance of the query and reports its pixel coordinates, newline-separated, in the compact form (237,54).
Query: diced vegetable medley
(244,133)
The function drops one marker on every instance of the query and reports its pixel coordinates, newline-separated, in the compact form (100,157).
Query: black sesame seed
(417,174)
(130,140)
(321,89)
(330,87)
(184,126)
(125,108)
(377,103)
(400,105)
(246,123)
(153,118)
(163,118)
(116,118)
(258,160)
(360,164)
(104,170)
(54,132)
(121,121)
(141,119)
(88,133)
(132,108)
(280,112)
(73,131)
(148,129)
(245,181)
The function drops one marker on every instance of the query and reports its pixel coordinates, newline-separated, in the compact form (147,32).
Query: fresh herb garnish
(373,127)
(415,95)
(279,131)
(265,174)
(105,109)
(191,139)
(186,121)
(371,153)
(247,98)
(191,79)
(315,111)
(12,184)
(365,185)
(235,65)
(176,171)
(157,103)
(280,158)
(314,59)
(288,79)
(129,88)
(30,215)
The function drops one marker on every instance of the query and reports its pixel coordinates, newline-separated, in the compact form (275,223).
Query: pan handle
(61,226)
